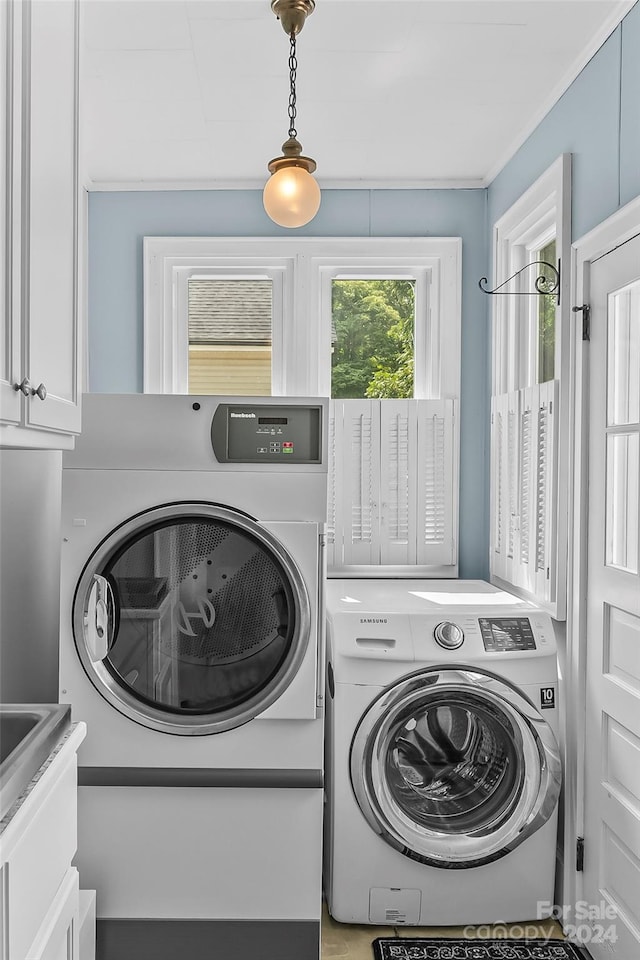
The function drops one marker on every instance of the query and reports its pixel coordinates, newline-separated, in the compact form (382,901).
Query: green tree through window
(372,338)
(547,320)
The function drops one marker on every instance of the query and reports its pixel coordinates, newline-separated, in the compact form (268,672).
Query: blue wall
(119,221)
(598,121)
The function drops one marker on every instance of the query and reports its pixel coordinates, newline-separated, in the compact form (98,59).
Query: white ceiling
(389,92)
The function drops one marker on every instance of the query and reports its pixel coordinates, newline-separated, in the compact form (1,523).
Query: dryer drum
(231,596)
(454,767)
(207,619)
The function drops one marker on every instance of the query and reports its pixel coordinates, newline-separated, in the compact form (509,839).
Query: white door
(612,760)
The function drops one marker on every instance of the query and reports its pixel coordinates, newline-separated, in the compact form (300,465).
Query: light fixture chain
(293,67)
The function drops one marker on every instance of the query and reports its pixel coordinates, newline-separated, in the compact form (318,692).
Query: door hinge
(580,854)
(585,310)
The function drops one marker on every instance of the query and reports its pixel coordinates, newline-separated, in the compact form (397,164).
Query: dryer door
(454,768)
(191,618)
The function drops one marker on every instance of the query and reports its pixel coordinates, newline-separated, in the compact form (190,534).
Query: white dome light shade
(291,196)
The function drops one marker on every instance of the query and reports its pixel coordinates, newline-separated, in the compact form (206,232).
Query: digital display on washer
(274,421)
(507,634)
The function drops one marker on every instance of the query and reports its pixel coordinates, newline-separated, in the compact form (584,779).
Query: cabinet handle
(24,387)
(39,391)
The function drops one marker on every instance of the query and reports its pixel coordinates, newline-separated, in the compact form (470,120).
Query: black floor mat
(444,948)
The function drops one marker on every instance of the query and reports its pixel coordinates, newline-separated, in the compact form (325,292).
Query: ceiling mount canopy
(292,13)
(291,195)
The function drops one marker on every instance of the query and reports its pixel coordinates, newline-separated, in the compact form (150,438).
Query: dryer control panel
(278,433)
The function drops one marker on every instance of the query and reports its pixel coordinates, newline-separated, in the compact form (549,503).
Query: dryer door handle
(98,620)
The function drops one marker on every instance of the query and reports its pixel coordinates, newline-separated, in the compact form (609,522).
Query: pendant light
(291,195)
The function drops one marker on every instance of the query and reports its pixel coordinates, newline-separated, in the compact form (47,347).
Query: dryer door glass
(454,767)
(206,622)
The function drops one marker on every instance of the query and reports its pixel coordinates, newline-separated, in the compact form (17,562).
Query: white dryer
(192,626)
(443,768)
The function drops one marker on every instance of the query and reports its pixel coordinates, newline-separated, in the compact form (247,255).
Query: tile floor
(345,941)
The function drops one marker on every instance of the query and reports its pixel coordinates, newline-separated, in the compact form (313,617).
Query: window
(530,386)
(229,324)
(546,326)
(372,338)
(373,323)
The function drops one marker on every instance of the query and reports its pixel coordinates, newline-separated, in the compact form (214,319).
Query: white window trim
(302,270)
(539,214)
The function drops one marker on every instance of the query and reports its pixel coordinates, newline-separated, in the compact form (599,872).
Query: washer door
(454,768)
(191,618)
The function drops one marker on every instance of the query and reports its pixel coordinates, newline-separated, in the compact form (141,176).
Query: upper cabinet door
(10,367)
(39,224)
(50,215)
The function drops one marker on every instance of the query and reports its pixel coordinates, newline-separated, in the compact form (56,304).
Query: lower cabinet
(39,890)
(58,937)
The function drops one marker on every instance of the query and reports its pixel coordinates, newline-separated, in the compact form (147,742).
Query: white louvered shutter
(505,486)
(499,486)
(398,435)
(392,485)
(437,482)
(357,477)
(523,478)
(333,550)
(522,574)
(546,499)
(512,479)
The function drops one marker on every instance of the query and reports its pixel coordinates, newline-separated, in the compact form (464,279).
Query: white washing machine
(443,768)
(192,626)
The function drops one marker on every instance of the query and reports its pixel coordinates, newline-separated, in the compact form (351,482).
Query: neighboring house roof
(229,311)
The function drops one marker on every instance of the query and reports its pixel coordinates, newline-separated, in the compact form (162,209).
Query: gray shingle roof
(229,311)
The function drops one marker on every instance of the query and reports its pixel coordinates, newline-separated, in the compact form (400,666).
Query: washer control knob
(449,635)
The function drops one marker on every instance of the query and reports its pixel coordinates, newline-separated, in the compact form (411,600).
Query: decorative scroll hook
(543,284)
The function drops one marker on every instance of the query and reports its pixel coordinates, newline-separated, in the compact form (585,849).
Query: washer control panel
(506,633)
(449,635)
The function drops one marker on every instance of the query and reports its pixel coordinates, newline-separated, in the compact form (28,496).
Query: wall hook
(543,284)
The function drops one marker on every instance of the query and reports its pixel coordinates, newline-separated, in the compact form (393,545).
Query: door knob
(24,387)
(39,391)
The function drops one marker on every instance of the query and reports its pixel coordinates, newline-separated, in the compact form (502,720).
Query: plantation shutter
(392,485)
(437,483)
(546,492)
(357,455)
(524,508)
(398,426)
(331,491)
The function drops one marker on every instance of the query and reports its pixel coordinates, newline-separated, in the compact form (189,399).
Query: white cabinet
(39,898)
(58,937)
(39,220)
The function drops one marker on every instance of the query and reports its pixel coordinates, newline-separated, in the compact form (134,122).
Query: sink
(28,734)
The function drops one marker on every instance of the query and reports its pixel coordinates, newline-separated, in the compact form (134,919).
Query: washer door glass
(454,767)
(191,618)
